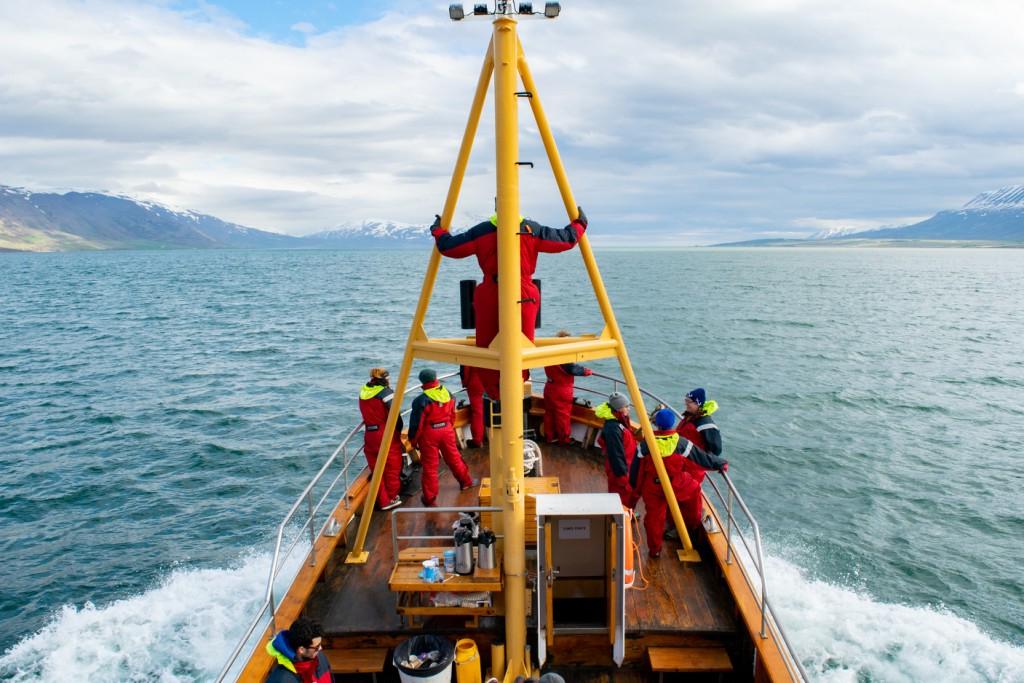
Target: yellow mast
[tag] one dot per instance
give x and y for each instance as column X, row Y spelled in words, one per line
column 510, row 343
column 508, row 352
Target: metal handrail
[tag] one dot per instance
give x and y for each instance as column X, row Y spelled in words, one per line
column 768, row 619
column 396, row 537
column 278, row 559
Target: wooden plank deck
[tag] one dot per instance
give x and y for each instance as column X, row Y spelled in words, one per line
column 680, row 598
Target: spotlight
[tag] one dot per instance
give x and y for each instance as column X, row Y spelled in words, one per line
column 526, row 8
column 479, row 9
column 456, row 12
column 552, row 9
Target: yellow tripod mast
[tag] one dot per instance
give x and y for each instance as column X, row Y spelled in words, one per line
column 511, row 352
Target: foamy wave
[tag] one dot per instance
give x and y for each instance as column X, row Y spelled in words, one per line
column 843, row 636
column 180, row 631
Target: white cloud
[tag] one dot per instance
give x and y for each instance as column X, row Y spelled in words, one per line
column 303, row 27
column 695, row 119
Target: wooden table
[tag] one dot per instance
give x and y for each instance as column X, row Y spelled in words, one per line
column 405, row 581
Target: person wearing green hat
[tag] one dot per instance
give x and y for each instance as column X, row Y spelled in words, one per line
column 432, row 431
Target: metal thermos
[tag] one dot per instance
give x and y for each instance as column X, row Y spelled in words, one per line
column 463, row 551
column 485, row 549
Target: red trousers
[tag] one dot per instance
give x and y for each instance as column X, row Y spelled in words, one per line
column 475, row 394
column 656, row 509
column 620, row 485
column 391, row 483
column 440, row 442
column 558, row 412
column 485, row 309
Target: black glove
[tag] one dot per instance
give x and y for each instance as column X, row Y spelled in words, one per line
column 436, row 225
column 582, row 220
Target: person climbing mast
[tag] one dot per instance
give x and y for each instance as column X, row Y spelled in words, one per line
column 482, row 241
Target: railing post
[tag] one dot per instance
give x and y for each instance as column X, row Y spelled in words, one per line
column 728, row 527
column 344, row 474
column 273, row 610
column 312, row 529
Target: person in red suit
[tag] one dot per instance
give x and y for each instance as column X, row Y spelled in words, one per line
column 698, row 427
column 432, row 431
column 674, row 452
column 618, row 443
column 298, row 654
column 482, row 241
column 374, row 403
column 558, row 396
column 475, row 394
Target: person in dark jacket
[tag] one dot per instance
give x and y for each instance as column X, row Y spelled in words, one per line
column 374, row 404
column 618, row 443
column 674, row 452
column 482, row 241
column 432, row 431
column 558, row 396
column 697, row 427
column 299, row 654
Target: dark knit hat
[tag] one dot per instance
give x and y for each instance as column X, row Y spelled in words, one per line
column 664, row 419
column 697, row 396
column 427, row 376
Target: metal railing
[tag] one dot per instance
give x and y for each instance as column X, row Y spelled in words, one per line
column 768, row 618
column 396, row 515
column 306, row 528
column 349, row 456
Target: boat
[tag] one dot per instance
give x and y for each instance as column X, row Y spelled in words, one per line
column 558, row 597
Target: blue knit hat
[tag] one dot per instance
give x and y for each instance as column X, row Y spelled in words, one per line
column 664, row 419
column 697, row 396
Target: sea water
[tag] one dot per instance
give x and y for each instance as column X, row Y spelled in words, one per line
column 159, row 412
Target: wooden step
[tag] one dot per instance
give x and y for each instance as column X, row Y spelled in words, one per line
column 360, row 661
column 689, row 659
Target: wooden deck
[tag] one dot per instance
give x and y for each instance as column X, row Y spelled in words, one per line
column 681, row 598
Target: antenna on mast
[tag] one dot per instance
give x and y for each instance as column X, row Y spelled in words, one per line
column 504, row 7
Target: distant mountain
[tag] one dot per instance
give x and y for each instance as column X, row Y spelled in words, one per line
column 370, row 234
column 995, row 216
column 34, row 221
column 991, row 216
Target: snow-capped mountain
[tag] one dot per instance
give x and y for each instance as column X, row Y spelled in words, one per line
column 372, row 233
column 833, row 233
column 39, row 221
column 996, row 215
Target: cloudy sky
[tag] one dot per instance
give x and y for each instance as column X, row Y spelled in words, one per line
column 679, row 122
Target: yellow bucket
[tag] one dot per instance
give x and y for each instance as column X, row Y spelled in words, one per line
column 467, row 661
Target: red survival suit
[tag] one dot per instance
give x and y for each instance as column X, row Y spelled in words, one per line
column 482, row 241
column 619, row 445
column 704, row 434
column 432, row 430
column 475, row 393
column 374, row 404
column 558, row 395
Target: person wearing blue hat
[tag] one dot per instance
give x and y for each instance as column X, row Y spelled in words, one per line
column 432, row 431
column 674, row 452
column 697, row 427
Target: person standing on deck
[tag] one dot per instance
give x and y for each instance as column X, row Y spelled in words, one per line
column 299, row 655
column 558, row 396
column 618, row 443
column 674, row 452
column 482, row 241
column 374, row 403
column 475, row 394
column 698, row 427
column 432, row 431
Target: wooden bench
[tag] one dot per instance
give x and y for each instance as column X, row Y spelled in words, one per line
column 689, row 660
column 363, row 661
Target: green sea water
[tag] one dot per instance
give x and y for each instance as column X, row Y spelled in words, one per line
column 159, row 411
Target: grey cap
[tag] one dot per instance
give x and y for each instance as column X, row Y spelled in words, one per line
column 427, row 376
column 617, row 401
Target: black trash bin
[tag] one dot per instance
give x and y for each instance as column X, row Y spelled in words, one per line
column 439, row 671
